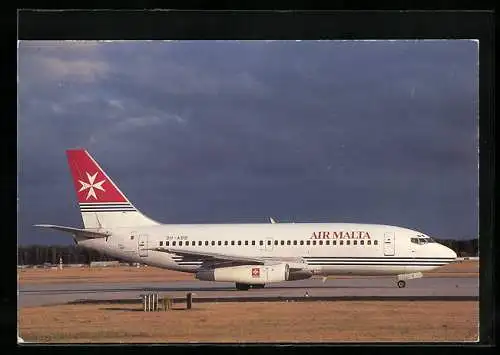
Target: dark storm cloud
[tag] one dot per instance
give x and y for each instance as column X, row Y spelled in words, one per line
column 382, row 132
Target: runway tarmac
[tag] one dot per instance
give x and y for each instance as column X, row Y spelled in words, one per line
column 357, row 288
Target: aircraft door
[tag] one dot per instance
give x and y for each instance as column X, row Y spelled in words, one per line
column 142, row 244
column 389, row 243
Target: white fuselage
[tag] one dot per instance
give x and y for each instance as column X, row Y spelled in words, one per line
column 326, row 248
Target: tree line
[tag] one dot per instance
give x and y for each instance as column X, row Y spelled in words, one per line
column 73, row 254
column 51, row 254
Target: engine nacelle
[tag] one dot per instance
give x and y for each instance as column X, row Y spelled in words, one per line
column 247, row 274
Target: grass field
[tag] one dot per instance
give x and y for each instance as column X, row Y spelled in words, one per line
column 152, row 274
column 254, row 322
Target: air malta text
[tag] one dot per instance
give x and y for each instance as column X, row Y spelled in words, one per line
column 341, row 235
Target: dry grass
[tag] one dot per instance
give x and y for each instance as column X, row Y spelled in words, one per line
column 254, row 322
column 152, row 274
column 459, row 269
column 101, row 274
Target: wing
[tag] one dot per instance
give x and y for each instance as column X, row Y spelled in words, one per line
column 215, row 260
column 76, row 231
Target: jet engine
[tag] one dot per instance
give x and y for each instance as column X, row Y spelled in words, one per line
column 247, row 274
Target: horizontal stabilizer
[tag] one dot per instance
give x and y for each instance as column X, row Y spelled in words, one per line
column 76, row 231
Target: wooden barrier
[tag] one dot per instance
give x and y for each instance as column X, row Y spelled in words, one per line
column 151, row 302
column 167, row 303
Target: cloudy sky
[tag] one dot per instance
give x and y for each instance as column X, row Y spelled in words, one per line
column 225, row 132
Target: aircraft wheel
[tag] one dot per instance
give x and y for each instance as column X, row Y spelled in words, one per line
column 401, row 284
column 242, row 287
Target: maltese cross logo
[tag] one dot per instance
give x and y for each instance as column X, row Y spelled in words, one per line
column 255, row 272
column 91, row 186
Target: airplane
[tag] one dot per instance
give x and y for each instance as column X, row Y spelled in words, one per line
column 249, row 255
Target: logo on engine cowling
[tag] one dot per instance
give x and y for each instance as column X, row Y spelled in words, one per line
column 255, row 272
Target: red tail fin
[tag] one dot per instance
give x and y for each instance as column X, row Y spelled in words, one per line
column 91, row 182
column 102, row 204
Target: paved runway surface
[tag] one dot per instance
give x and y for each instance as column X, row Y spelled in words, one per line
column 424, row 288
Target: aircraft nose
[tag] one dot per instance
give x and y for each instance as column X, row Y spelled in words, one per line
column 450, row 253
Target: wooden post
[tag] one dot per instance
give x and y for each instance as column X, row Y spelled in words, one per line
column 143, row 297
column 189, row 300
column 167, row 303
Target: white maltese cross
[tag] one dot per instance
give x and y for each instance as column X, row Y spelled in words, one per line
column 91, row 186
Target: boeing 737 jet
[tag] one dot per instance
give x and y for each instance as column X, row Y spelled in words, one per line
column 250, row 255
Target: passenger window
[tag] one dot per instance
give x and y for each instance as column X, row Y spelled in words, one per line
column 200, row 243
column 275, row 242
column 375, row 242
column 225, row 242
column 320, row 242
column 239, row 242
column 355, row 242
column 232, row 242
column 334, row 242
column 131, row 237
column 294, row 242
column 348, row 242
column 282, row 242
column 362, row 242
column 253, row 242
column 327, row 242
column 173, row 243
column 213, row 242
column 261, row 242
column 369, row 242
column 341, row 242
column 166, row 243
column 180, row 243
column 246, row 242
column 193, row 243
column 161, row 243
column 206, row 242
column 219, row 242
column 301, row 242
column 268, row 242
column 288, row 242
column 308, row 242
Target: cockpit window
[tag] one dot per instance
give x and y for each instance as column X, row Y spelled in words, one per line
column 422, row 239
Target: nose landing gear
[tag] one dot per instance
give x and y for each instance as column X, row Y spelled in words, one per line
column 401, row 280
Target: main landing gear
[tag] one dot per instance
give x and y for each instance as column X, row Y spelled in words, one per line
column 242, row 287
column 401, row 283
column 246, row 287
